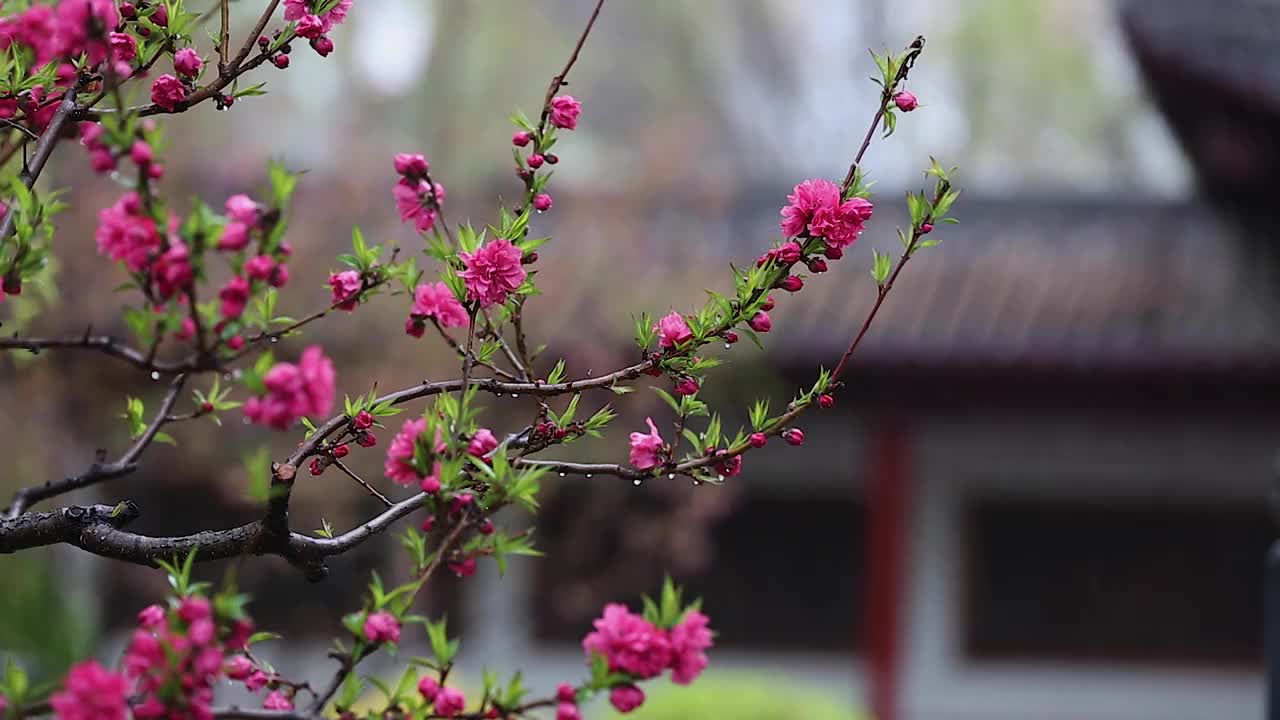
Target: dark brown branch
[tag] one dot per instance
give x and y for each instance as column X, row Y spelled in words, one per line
column 94, row 530
column 98, row 472
column 101, row 343
column 372, row 491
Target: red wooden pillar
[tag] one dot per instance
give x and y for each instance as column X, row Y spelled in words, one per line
column 888, row 504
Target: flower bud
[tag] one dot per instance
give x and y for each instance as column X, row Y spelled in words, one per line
column 140, row 153
column 521, row 138
column 316, row 467
column 235, row 342
column 757, row 439
column 412, row 165
column 281, row 61
column 529, row 258
column 322, row 45
column 128, row 11
column 687, row 386
column 541, row 202
column 768, row 303
column 730, row 337
column 817, row 265
column 341, row 451
column 905, row 101
column 791, row 283
column 430, row 485
column 761, row 323
column 486, row 527
column 363, row 420
column 926, row 228
column 794, row 436
column 552, row 158
column 833, row 253
column 534, row 161
column 826, row 401
column 566, row 694
column 366, row 439
column 789, row 252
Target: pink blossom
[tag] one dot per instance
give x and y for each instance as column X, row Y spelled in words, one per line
column 144, row 653
column 260, row 267
column 449, row 702
column 234, row 295
column 689, row 642
column 125, row 234
column 905, row 101
column 242, row 209
column 83, row 26
column 195, row 608
column 630, row 643
column 382, row 627
column 761, row 322
column 626, row 698
column 140, row 153
column 346, row 287
column 167, row 91
column 256, row 681
column 294, row 391
column 805, row 200
column 310, row 27
column 277, row 700
column 436, row 300
column 482, row 443
column 673, row 330
column 431, row 483
column 414, row 202
column 493, row 272
column 841, row 224
column 535, row 161
column 567, row 711
column 202, row 632
column 297, row 9
column 239, row 668
column 151, row 616
column 646, row 450
column 172, row 270
column 412, row 165
column 101, row 160
column 187, row 62
column 123, row 47
column 235, row 236
column 686, row 386
column 564, row 111
column 399, row 465
column 91, row 692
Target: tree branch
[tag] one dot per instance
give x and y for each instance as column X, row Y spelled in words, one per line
column 98, row 472
column 101, row 343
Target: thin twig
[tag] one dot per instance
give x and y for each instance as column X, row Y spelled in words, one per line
column 363, row 484
column 44, row 148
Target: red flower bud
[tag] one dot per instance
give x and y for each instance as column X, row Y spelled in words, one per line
column 791, row 283
column 366, row 439
column 428, row 523
column 794, row 436
column 535, row 161
column 730, row 337
column 757, row 439
column 206, row 407
column 552, row 158
column 529, row 259
column 235, row 342
column 341, row 451
column 826, row 401
column 768, row 304
column 486, row 527
column 566, row 694
column 761, row 323
column 926, row 228
column 833, row 253
column 817, row 265
column 12, row 285
column 905, row 101
column 281, row 61
column 316, row 467
column 687, row 386
column 362, row 421
column 522, row 138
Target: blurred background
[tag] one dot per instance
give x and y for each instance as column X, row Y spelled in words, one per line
column 1045, row 492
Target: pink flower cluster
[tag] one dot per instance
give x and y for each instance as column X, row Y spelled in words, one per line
column 493, row 272
column 91, row 692
column 399, row 464
column 814, row 206
column 448, row 702
column 673, row 330
column 346, row 287
column 266, row 269
column 127, row 234
column 434, row 301
column 67, row 30
column 174, row 659
column 301, row 10
column 294, row 391
column 637, row 647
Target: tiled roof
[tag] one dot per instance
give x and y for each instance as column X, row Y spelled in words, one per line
column 1080, row 282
